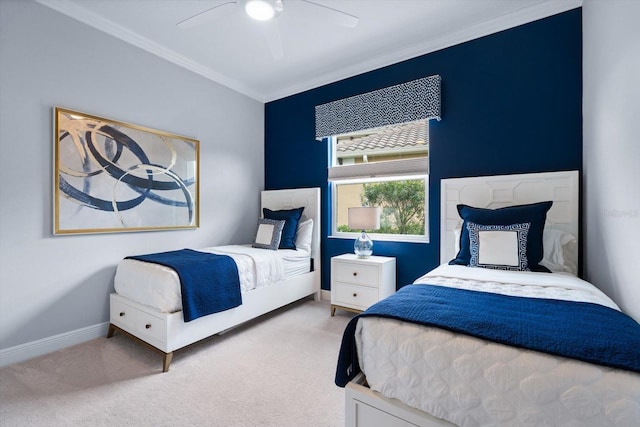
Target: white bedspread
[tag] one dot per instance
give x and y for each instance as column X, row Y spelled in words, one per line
column 562, row 286
column 159, row 287
column 473, row 382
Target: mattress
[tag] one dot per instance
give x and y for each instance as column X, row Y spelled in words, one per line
column 474, row 382
column 158, row 286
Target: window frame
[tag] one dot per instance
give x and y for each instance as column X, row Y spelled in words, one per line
column 401, row 238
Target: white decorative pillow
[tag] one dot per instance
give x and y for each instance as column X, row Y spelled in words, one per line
column 560, row 251
column 268, row 234
column 501, row 247
column 304, row 235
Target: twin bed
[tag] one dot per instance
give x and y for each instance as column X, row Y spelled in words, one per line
column 461, row 367
column 400, row 373
column 147, row 304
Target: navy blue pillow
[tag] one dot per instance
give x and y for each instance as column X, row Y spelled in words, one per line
column 534, row 213
column 291, row 218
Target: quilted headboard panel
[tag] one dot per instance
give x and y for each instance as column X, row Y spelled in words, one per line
column 506, row 190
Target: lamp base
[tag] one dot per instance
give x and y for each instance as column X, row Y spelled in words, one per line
column 363, row 246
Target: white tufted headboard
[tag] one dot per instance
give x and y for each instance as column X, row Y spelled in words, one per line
column 498, row 191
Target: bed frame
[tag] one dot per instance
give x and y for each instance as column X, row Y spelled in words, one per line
column 365, row 407
column 167, row 332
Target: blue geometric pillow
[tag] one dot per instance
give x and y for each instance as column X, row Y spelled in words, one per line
column 500, row 247
column 534, row 213
column 291, row 217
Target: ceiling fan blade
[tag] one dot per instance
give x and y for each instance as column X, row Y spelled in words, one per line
column 332, row 15
column 212, row 14
column 272, row 35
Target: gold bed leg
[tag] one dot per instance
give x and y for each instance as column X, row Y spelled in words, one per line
column 112, row 330
column 167, row 361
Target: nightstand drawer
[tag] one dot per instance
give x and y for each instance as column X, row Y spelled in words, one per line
column 355, row 296
column 358, row 283
column 357, row 273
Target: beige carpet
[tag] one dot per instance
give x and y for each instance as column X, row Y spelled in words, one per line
column 275, row 371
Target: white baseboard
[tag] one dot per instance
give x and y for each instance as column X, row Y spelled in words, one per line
column 22, row 352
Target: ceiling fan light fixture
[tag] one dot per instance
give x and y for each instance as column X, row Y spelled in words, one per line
column 263, row 10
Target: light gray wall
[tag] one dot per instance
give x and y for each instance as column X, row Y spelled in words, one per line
column 611, row 111
column 52, row 285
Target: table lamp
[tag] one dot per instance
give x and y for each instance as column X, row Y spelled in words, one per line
column 364, row 218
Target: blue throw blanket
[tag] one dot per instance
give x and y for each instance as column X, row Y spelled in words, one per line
column 578, row 330
column 209, row 282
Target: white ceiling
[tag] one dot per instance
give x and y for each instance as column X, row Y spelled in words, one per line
column 233, row 50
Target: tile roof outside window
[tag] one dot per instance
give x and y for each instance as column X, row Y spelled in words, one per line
column 393, row 138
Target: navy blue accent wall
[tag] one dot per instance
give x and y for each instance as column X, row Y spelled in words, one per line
column 511, row 103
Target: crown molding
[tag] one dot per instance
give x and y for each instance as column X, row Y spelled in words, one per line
column 525, row 15
column 81, row 14
column 511, row 20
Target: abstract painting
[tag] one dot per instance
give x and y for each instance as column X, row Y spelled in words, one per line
column 112, row 176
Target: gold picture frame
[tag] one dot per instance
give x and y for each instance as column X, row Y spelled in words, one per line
column 112, row 176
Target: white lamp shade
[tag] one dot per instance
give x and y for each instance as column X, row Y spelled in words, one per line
column 364, row 218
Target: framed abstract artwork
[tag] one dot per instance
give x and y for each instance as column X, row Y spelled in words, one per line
column 112, row 176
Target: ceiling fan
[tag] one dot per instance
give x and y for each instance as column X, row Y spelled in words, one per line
column 267, row 11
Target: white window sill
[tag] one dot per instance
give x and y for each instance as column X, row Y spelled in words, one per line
column 383, row 237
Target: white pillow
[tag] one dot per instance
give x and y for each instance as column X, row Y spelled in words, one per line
column 501, row 247
column 304, row 235
column 560, row 251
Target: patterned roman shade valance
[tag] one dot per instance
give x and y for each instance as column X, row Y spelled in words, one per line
column 406, row 102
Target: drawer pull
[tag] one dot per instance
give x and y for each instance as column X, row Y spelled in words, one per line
column 122, row 314
column 148, row 326
column 355, row 295
column 355, row 273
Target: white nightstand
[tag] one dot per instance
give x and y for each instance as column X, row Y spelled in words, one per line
column 357, row 283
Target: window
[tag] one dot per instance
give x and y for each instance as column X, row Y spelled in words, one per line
column 385, row 167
